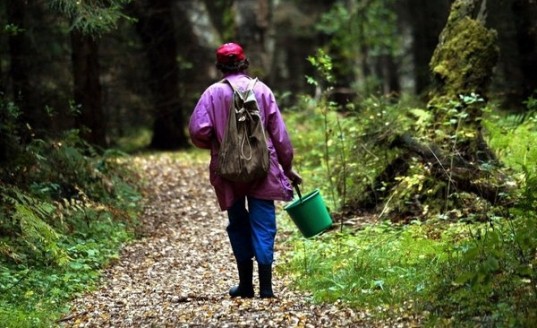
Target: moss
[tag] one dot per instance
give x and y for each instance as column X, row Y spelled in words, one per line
column 463, row 63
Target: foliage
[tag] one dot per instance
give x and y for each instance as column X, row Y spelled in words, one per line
column 337, row 150
column 503, row 129
column 65, row 209
column 466, row 55
column 91, row 17
column 455, row 272
column 360, row 31
column 492, row 274
column 134, row 140
column 362, row 23
column 462, row 273
column 367, row 268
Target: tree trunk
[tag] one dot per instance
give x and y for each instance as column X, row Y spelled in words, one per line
column 508, row 80
column 426, row 18
column 294, row 42
column 466, row 54
column 217, row 12
column 253, row 19
column 388, row 71
column 463, row 64
column 454, row 158
column 196, row 53
column 155, row 26
column 23, row 93
column 87, row 88
column 525, row 15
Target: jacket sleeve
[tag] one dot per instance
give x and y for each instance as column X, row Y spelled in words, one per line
column 278, row 132
column 201, row 126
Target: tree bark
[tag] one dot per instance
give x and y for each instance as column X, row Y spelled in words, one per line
column 87, row 88
column 525, row 14
column 253, row 19
column 156, row 29
column 22, row 91
column 426, row 19
column 463, row 64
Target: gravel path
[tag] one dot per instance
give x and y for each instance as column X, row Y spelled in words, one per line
column 179, row 272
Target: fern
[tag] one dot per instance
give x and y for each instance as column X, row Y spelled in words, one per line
column 29, row 215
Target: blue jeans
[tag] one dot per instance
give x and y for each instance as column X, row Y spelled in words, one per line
column 252, row 231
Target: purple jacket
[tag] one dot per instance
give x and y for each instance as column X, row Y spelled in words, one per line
column 208, row 123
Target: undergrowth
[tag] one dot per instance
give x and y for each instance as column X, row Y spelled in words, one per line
column 438, row 270
column 65, row 210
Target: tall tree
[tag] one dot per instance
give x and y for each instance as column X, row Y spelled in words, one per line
column 515, row 22
column 89, row 21
column 295, row 38
column 20, row 69
column 87, row 87
column 525, row 12
column 364, row 41
column 253, row 19
column 455, row 153
column 426, row 19
column 221, row 16
column 156, row 28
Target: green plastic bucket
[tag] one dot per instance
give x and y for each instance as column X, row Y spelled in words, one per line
column 309, row 213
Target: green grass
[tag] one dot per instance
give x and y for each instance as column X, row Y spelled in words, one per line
column 36, row 295
column 513, row 140
column 62, row 220
column 452, row 273
column 134, row 140
column 380, row 265
column 466, row 273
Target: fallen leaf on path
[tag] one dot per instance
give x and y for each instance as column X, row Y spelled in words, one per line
column 179, row 273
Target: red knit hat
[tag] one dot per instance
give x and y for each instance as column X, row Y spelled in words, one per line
column 229, row 53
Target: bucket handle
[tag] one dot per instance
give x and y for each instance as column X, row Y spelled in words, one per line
column 298, row 191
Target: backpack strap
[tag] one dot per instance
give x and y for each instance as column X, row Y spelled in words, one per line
column 249, row 88
column 230, row 84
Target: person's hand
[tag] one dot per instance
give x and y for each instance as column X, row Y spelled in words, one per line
column 294, row 177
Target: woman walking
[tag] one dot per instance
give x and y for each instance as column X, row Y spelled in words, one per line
column 250, row 206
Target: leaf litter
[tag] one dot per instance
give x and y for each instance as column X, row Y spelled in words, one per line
column 179, row 272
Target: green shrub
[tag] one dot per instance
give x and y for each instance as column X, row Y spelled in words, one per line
column 65, row 210
column 337, row 146
column 382, row 265
column 463, row 273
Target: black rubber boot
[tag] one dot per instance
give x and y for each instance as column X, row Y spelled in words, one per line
column 265, row 281
column 245, row 287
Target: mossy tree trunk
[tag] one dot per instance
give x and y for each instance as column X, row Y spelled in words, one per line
column 462, row 67
column 453, row 161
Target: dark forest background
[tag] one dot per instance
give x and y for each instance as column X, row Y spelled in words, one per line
column 111, row 68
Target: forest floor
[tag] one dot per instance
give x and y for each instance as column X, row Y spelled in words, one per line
column 179, row 272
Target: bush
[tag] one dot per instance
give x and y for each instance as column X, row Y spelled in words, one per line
column 65, row 210
column 462, row 273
